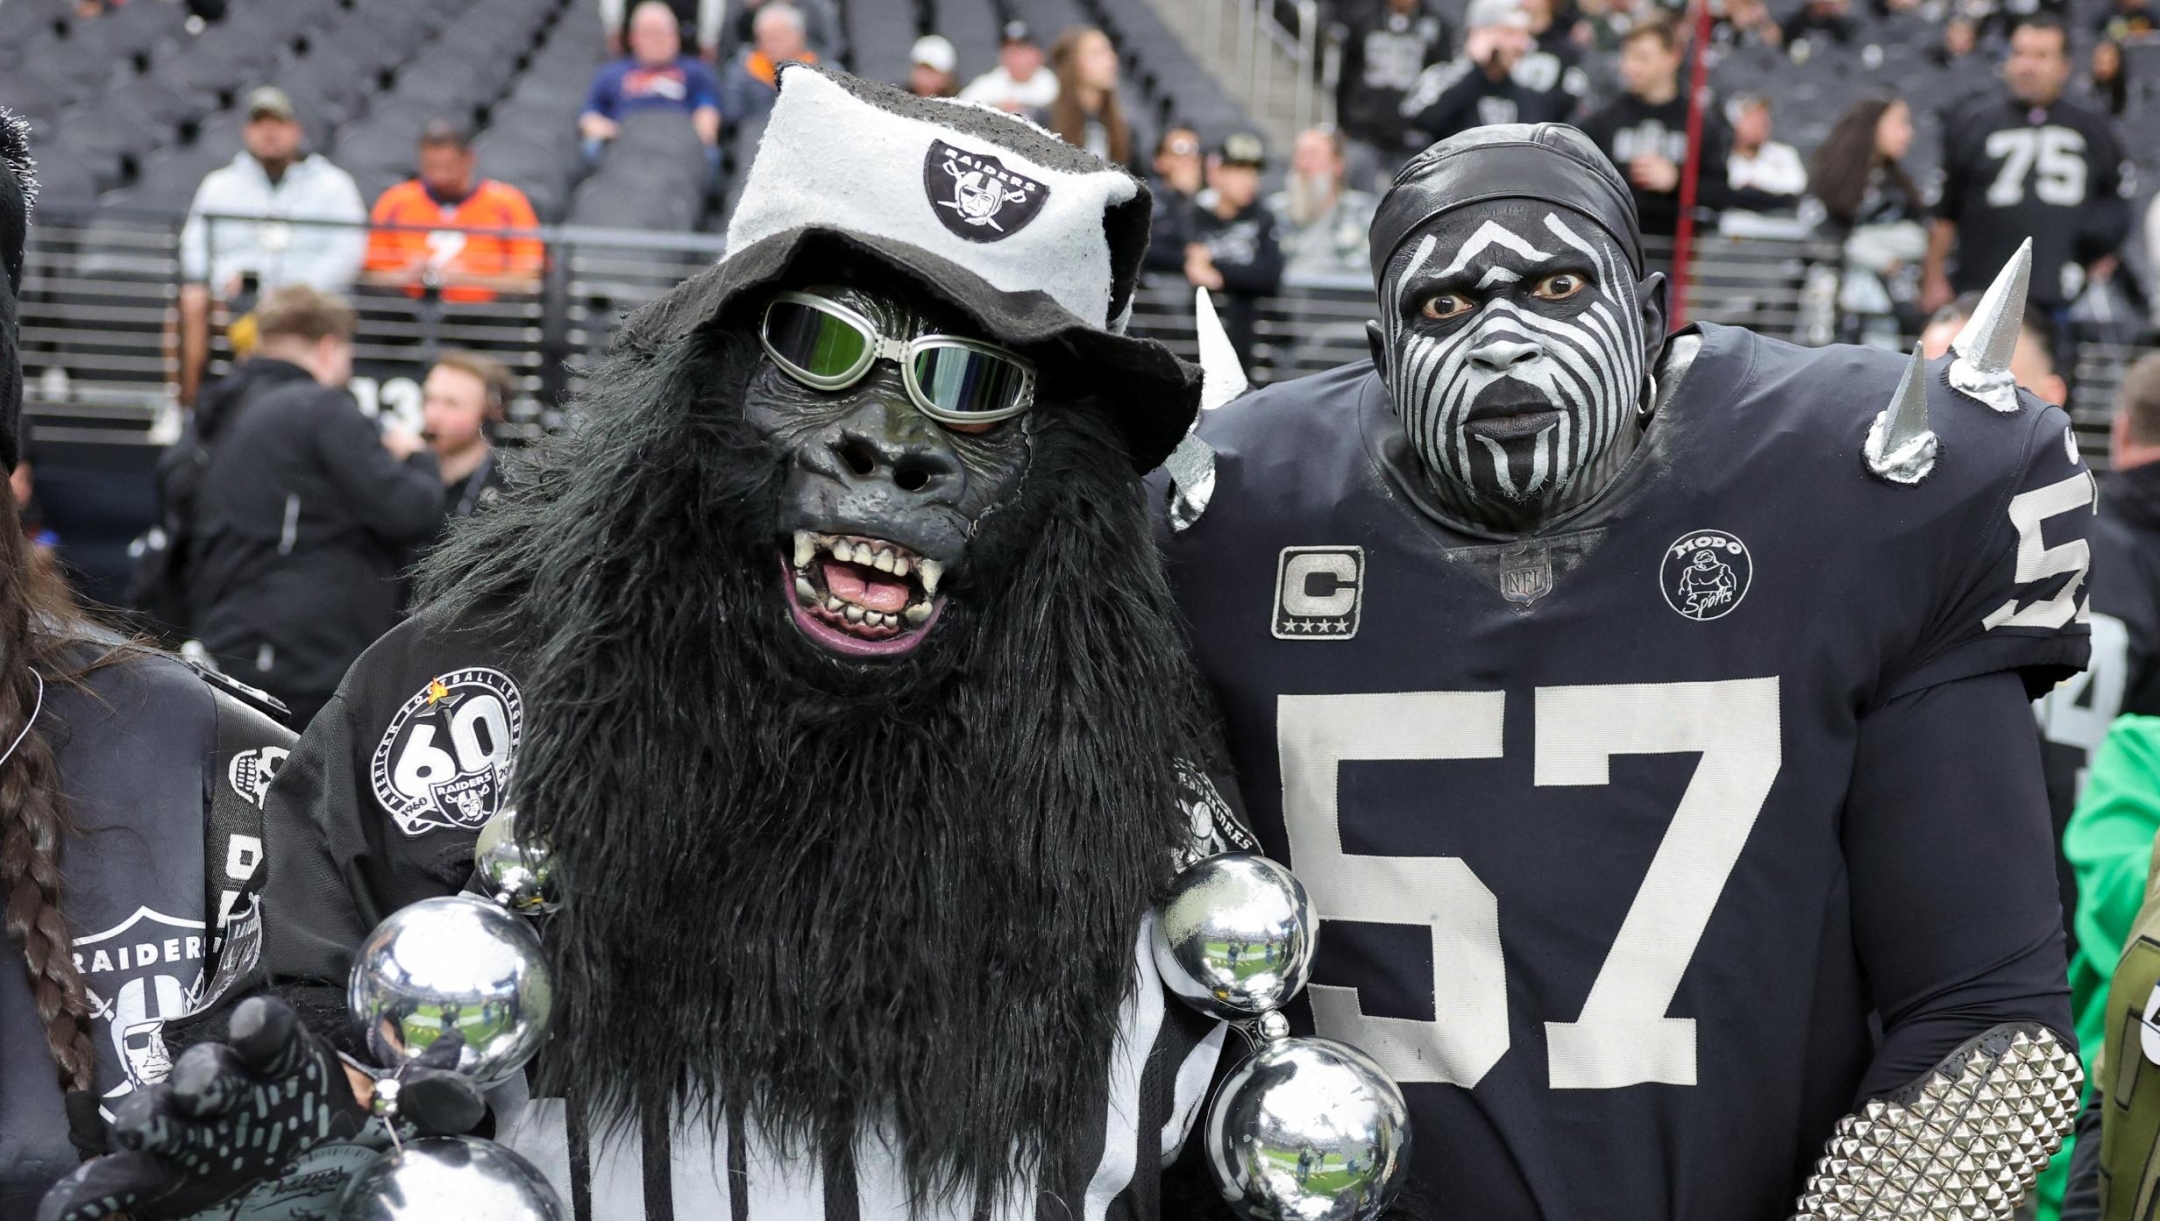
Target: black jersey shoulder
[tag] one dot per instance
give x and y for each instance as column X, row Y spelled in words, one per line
column 1298, row 434
column 1799, row 415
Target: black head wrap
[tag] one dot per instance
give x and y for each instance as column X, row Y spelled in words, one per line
column 15, row 192
column 1546, row 161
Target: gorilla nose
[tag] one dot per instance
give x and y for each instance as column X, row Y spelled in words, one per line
column 912, row 464
column 1500, row 355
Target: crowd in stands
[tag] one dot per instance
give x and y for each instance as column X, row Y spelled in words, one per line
column 2022, row 103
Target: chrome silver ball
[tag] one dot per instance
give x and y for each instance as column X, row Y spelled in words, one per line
column 1308, row 1130
column 450, row 1176
column 453, row 963
column 517, row 874
column 1234, row 937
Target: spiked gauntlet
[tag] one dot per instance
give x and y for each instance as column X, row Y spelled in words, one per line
column 1963, row 1143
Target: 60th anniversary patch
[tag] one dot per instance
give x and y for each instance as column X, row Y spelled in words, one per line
column 445, row 760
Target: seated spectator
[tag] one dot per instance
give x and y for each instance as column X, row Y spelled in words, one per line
column 2127, row 19
column 1385, row 46
column 1960, row 35
column 1747, row 23
column 2107, row 86
column 1022, row 81
column 931, row 68
column 1829, row 20
column 1605, row 22
column 1496, row 79
column 1757, row 161
column 1180, row 175
column 1088, row 111
column 1321, row 221
column 1234, row 250
column 462, row 403
column 821, row 25
column 1644, row 131
column 748, row 91
column 306, row 512
column 441, row 229
column 1553, row 57
column 698, row 24
column 656, row 75
column 273, row 217
column 1870, row 202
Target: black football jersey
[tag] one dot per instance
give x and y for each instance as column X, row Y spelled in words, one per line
column 1569, row 805
column 2124, row 676
column 2055, row 174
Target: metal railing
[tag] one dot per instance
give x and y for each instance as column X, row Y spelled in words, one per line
column 1254, row 43
column 100, row 302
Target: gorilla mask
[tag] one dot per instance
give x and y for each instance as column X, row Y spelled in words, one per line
column 881, row 499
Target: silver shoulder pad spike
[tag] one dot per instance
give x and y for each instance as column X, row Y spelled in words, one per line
column 1984, row 345
column 1900, row 447
column 1965, row 1141
column 1222, row 378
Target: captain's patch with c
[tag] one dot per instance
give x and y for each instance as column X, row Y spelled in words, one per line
column 1319, row 593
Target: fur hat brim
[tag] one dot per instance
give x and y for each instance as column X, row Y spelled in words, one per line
column 1151, row 394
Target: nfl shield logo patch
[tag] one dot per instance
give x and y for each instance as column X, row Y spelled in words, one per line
column 1526, row 575
column 1319, row 593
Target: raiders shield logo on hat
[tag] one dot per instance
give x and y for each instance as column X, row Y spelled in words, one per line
column 976, row 196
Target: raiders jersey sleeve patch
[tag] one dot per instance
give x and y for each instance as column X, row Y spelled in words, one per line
column 445, row 759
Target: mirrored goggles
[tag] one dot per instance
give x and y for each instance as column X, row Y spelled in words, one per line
column 827, row 346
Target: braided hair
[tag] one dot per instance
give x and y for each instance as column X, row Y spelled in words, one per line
column 33, row 818
column 38, row 623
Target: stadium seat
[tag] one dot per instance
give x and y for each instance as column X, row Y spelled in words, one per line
column 68, row 183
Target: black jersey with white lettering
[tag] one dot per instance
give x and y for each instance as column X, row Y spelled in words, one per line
column 2124, row 676
column 2055, row 174
column 1573, row 806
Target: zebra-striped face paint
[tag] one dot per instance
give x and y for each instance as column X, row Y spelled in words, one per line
column 1514, row 354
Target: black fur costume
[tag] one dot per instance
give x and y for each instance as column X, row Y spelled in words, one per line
column 832, row 891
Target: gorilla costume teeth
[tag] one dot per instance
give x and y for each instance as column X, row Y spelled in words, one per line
column 840, row 897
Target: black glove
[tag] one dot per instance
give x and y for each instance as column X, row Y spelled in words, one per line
column 236, row 1116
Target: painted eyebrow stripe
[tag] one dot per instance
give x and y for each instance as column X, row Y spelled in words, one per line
column 1489, row 234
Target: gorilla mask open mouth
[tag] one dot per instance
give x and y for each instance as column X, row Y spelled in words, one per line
column 859, row 596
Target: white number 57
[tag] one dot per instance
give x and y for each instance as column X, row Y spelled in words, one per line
column 1623, row 1036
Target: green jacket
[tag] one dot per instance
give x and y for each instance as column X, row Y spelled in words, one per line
column 2109, row 843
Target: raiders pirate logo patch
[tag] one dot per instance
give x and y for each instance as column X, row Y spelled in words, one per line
column 141, row 971
column 1319, row 593
column 251, row 772
column 1705, row 574
column 445, row 760
column 976, row 197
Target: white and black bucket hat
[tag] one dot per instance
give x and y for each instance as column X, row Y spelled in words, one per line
column 1038, row 242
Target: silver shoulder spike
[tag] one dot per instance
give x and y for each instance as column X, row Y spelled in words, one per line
column 1900, row 447
column 1984, row 346
column 1222, row 377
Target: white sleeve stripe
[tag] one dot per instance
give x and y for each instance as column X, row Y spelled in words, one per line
column 1190, row 1090
column 1139, row 1021
column 541, row 1133
column 697, row 1169
column 618, row 1174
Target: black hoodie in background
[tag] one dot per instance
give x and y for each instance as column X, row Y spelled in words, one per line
column 302, row 524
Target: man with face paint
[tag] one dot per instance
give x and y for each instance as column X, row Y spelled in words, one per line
column 1647, row 718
